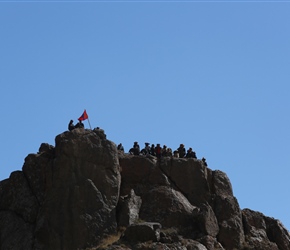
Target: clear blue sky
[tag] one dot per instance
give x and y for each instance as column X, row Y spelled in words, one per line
column 213, row 75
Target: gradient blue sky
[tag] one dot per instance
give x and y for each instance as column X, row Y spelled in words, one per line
column 213, row 75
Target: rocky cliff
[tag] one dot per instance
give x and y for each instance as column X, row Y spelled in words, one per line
column 84, row 194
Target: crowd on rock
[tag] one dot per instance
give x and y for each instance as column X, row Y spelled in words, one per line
column 159, row 151
column 153, row 150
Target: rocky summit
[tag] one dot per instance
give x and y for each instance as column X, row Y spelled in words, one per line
column 83, row 193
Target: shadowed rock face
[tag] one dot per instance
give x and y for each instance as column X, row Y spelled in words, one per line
column 75, row 196
column 66, row 196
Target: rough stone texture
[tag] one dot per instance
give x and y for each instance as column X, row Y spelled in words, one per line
column 142, row 232
column 255, row 229
column 140, row 173
column 230, row 222
column 37, row 169
column 193, row 245
column 80, row 205
column 210, row 243
column 66, row 197
column 168, row 207
column 221, row 184
column 190, row 176
column 227, row 211
column 16, row 196
column 128, row 209
column 181, row 244
column 277, row 233
column 207, row 221
column 15, row 233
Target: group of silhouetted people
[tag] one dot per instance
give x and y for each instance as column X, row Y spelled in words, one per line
column 159, row 151
column 71, row 125
column 153, row 150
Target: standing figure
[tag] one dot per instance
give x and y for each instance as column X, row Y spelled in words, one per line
column 152, row 150
column 164, row 150
column 158, row 150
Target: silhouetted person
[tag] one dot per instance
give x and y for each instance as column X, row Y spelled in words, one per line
column 71, row 125
column 120, row 147
column 146, row 149
column 169, row 152
column 175, row 154
column 181, row 151
column 190, row 154
column 158, row 151
column 164, row 150
column 136, row 149
column 152, row 150
column 204, row 161
column 79, row 125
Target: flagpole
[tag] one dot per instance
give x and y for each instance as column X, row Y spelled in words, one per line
column 85, row 116
column 89, row 123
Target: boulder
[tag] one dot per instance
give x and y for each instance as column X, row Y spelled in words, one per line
column 221, row 184
column 277, row 233
column 206, row 220
column 255, row 229
column 193, row 245
column 227, row 211
column 128, row 209
column 168, row 207
column 210, row 243
column 140, row 173
column 189, row 176
column 229, row 217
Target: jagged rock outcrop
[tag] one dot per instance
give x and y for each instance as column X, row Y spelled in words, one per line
column 128, row 209
column 84, row 194
column 66, row 196
column 263, row 232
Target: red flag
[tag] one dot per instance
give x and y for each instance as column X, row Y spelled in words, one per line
column 84, row 116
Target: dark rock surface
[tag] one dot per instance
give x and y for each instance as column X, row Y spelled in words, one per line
column 142, row 232
column 84, row 194
column 128, row 209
